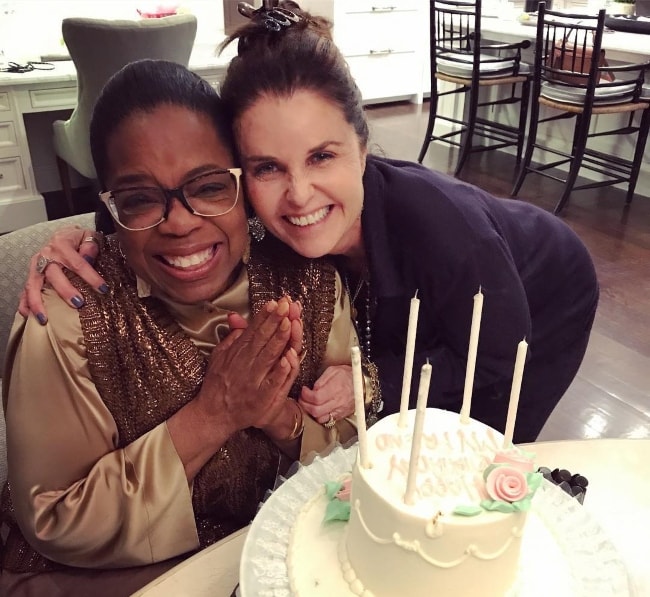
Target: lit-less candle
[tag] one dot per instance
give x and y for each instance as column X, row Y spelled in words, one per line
column 408, row 360
column 359, row 406
column 471, row 357
column 517, row 376
column 418, row 426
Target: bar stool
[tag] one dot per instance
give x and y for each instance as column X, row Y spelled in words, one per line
column 570, row 80
column 460, row 56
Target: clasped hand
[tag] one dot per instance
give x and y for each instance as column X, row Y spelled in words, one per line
column 251, row 371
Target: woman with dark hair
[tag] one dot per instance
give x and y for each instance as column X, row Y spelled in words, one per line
column 140, row 427
column 395, row 228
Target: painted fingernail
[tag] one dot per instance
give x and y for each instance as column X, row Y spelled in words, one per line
column 42, row 319
column 90, row 259
column 271, row 307
column 103, row 288
column 285, row 325
column 283, row 308
column 77, row 301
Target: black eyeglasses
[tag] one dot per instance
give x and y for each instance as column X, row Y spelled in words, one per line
column 211, row 194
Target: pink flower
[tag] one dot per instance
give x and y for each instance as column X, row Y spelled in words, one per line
column 516, row 459
column 506, row 483
column 343, row 494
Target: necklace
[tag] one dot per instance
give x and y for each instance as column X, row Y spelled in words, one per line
column 365, row 338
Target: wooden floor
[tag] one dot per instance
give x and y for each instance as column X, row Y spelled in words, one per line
column 610, row 397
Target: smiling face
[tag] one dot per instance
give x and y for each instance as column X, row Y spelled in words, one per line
column 303, row 165
column 189, row 258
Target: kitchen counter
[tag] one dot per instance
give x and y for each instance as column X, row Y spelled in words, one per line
column 619, row 45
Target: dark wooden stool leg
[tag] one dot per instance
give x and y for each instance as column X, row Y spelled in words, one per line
column 577, row 154
column 433, row 110
column 467, row 138
column 639, row 150
column 523, row 118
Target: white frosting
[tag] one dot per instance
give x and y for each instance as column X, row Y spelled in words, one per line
column 424, row 548
column 452, row 459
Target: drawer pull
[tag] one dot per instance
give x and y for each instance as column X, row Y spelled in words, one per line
column 386, row 51
column 383, row 8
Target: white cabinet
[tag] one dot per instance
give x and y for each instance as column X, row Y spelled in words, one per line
column 11, row 175
column 382, row 42
column 9, row 150
column 15, row 175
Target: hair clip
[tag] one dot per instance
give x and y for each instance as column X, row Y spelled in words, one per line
column 246, row 10
column 269, row 15
column 286, row 17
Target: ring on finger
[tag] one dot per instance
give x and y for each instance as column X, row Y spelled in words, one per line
column 330, row 423
column 42, row 263
column 90, row 239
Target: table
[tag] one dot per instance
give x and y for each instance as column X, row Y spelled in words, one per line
column 618, row 497
column 21, row 204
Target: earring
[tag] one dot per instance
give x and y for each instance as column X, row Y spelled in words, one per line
column 256, row 228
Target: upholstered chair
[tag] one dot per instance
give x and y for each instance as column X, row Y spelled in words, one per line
column 99, row 48
column 16, row 249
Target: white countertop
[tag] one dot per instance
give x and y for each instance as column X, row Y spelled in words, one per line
column 204, row 58
column 632, row 44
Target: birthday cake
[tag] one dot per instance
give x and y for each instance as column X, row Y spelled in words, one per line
column 452, row 526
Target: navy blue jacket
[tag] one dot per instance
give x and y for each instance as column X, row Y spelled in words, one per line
column 429, row 232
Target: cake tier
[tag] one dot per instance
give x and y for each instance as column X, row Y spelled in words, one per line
column 426, row 548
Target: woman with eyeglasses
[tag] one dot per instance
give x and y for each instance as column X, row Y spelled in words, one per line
column 140, row 428
column 395, row 228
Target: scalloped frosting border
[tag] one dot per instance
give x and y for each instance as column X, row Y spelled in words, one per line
column 414, row 546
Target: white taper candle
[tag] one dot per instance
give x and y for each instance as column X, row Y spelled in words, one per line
column 418, row 426
column 517, row 376
column 471, row 357
column 408, row 360
column 359, row 406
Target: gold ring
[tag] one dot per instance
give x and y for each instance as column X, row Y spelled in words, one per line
column 42, row 263
column 90, row 239
column 331, row 422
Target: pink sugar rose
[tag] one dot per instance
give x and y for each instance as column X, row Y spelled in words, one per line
column 506, row 483
column 343, row 494
column 515, row 458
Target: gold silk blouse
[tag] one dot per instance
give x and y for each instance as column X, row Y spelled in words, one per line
column 62, row 442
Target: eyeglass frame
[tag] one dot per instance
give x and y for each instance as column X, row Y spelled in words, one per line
column 106, row 197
